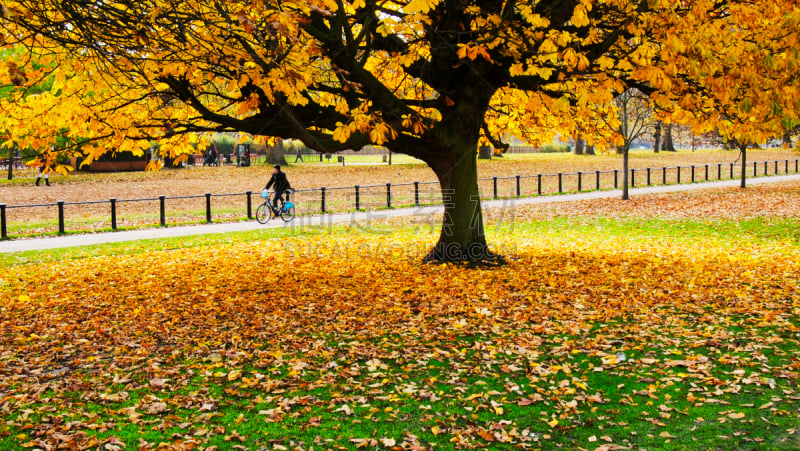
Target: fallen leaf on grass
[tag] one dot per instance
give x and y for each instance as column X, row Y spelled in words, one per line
column 156, row 408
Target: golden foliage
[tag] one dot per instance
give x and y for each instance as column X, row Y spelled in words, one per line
column 338, row 74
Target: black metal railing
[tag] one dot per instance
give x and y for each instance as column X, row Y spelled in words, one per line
column 389, row 195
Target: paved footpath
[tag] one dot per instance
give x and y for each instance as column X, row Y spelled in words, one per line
column 89, row 239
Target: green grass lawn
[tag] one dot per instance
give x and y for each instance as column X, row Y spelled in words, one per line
column 605, row 382
column 784, row 233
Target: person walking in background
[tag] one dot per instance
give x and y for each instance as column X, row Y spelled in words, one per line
column 44, row 173
column 211, row 156
column 18, row 164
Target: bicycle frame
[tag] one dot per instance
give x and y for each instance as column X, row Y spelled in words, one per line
column 266, row 210
column 268, row 195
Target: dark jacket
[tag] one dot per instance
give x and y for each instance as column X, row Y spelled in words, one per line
column 280, row 181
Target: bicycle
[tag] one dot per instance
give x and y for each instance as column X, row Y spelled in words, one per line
column 265, row 211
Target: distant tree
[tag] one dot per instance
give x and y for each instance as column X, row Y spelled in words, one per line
column 788, row 133
column 277, row 153
column 580, row 145
column 635, row 120
column 20, row 83
column 669, row 144
column 657, row 136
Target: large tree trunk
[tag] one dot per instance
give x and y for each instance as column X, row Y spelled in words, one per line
column 669, row 146
column 452, row 154
column 462, row 238
column 787, row 139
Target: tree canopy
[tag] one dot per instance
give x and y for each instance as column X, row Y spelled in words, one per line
column 428, row 78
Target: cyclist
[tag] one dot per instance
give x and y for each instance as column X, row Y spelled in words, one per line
column 281, row 186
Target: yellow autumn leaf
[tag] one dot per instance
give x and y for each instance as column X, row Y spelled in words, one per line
column 420, row 6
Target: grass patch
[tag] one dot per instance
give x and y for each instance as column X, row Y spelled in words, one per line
column 726, row 233
column 642, row 333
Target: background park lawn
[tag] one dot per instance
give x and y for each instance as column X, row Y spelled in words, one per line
column 364, row 171
column 670, row 322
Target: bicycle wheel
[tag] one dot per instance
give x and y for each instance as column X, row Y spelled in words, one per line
column 263, row 213
column 287, row 214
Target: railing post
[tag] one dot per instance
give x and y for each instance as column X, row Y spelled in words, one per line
column 358, row 198
column 616, row 178
column 416, row 194
column 719, row 171
column 706, row 173
column 208, row 207
column 162, row 211
column 664, row 176
column 539, row 184
column 597, row 179
column 580, row 181
column 113, row 214
column 249, row 195
column 755, row 169
column 388, row 195
column 560, row 184
column 494, row 186
column 61, row 228
column 766, row 168
column 786, row 168
column 3, row 226
column 776, row 167
column 648, row 178
column 731, row 177
column 519, row 187
column 797, row 165
column 679, row 174
column 322, row 200
column 692, row 174
column 633, row 178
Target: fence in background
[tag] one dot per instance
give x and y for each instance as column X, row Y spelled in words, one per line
column 390, row 195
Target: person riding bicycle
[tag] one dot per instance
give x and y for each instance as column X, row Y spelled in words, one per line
column 281, row 185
